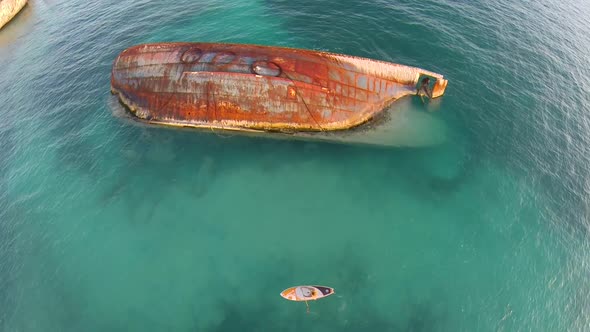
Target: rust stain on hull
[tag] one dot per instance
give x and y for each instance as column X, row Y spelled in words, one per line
column 259, row 88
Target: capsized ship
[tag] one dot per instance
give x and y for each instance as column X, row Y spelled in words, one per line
column 9, row 9
column 263, row 90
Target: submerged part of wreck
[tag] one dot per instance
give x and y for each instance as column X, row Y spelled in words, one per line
column 403, row 124
column 9, row 9
column 260, row 88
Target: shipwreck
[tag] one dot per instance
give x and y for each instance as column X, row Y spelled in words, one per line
column 265, row 90
column 9, row 9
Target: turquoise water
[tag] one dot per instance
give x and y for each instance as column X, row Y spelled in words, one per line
column 478, row 222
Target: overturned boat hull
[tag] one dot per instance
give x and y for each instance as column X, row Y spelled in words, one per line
column 9, row 9
column 260, row 89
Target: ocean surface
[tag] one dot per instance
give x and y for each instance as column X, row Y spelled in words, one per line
column 478, row 221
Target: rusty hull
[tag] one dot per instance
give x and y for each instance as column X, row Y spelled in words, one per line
column 258, row 88
column 9, row 9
